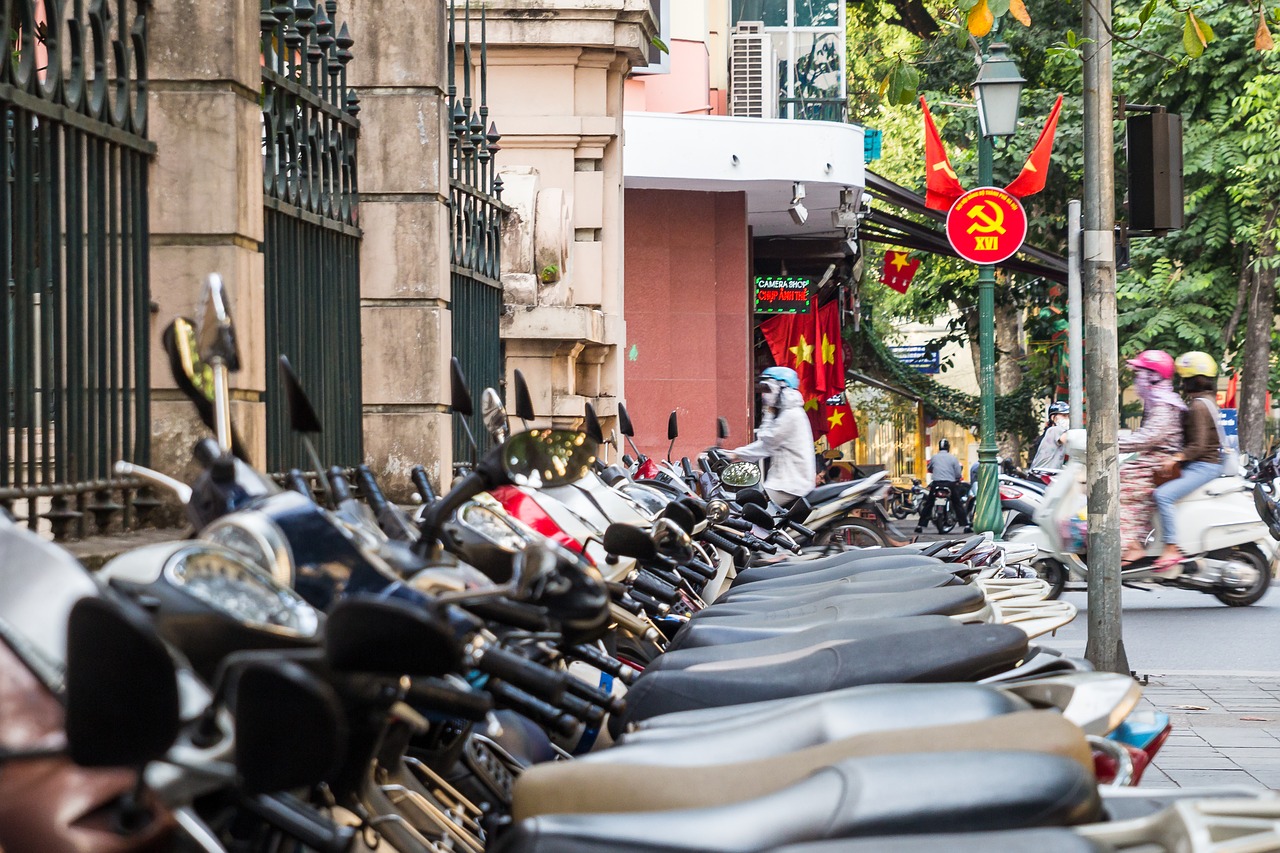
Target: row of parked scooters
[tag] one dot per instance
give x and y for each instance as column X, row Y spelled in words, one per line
column 552, row 655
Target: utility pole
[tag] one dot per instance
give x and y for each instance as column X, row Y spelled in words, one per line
column 1075, row 320
column 1105, row 648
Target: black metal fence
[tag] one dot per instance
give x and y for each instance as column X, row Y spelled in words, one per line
column 477, row 211
column 312, row 237
column 74, row 317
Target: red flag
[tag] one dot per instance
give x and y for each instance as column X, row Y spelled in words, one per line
column 898, row 271
column 793, row 344
column 839, row 424
column 942, row 187
column 1034, row 172
column 828, row 357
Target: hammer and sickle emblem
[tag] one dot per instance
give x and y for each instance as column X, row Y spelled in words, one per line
column 993, row 224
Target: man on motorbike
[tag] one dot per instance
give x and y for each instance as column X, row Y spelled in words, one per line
column 1050, row 451
column 1200, row 459
column 784, row 437
column 946, row 471
column 1158, row 440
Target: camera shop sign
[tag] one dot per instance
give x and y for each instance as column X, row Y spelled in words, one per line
column 986, row 225
column 782, row 295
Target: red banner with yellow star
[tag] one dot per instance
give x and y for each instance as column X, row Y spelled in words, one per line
column 838, row 423
column 942, row 185
column 898, row 270
column 811, row 345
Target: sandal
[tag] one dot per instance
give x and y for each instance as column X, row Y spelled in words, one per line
column 1165, row 563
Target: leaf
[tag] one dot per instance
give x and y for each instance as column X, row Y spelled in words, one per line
column 1203, row 30
column 1018, row 9
column 980, row 19
column 1191, row 38
column 1262, row 38
column 910, row 83
column 998, row 7
column 1147, row 11
column 965, row 5
column 660, row 44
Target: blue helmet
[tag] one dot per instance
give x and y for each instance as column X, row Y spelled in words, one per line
column 785, row 375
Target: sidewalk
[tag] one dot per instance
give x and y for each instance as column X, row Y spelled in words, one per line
column 1226, row 729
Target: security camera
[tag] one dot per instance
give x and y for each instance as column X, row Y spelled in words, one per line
column 799, row 213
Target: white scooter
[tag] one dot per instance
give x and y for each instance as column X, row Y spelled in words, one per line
column 1233, row 558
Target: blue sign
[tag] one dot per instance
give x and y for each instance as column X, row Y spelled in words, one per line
column 871, row 141
column 918, row 356
column 1229, row 421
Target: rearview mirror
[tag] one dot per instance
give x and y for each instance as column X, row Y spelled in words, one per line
column 799, row 510
column 545, row 458
column 627, row 541
column 215, row 330
column 752, row 496
column 290, row 727
column 530, row 569
column 494, row 414
column 758, row 516
column 592, row 425
column 302, row 415
column 121, row 686
column 390, row 637
column 524, row 403
column 191, row 373
column 624, row 421
column 673, row 426
column 722, row 428
column 459, row 392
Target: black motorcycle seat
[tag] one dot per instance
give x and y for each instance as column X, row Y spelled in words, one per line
column 941, row 654
column 857, row 629
column 859, row 797
column 577, row 787
column 1012, row 841
column 768, row 613
column 786, row 726
column 828, row 492
column 892, row 580
column 848, row 562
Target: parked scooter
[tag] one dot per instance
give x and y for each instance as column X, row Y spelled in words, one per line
column 1234, row 554
column 905, row 502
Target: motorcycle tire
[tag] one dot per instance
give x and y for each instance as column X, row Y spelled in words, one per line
column 1244, row 597
column 851, row 533
column 944, row 520
column 1054, row 574
column 900, row 511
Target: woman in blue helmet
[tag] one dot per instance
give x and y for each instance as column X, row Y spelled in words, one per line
column 783, row 437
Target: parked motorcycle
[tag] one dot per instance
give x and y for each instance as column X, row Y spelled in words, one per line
column 905, row 502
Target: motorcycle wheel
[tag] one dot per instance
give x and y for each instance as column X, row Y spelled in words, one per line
column 944, row 520
column 900, row 511
column 851, row 533
column 1053, row 573
column 1249, row 595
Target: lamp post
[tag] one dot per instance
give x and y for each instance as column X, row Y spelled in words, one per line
column 997, row 92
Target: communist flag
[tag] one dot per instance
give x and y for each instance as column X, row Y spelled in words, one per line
column 829, row 376
column 1036, row 170
column 839, row 425
column 942, row 187
column 898, row 270
column 793, row 344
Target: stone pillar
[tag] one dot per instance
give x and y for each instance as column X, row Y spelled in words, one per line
column 556, row 74
column 400, row 71
column 206, row 203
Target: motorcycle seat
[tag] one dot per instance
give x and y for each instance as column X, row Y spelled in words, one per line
column 829, row 492
column 801, row 613
column 1011, row 841
column 940, row 654
column 924, row 577
column 857, row 629
column 847, row 562
column 610, row 782
column 858, row 797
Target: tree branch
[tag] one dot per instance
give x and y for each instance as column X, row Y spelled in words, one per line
column 1242, row 296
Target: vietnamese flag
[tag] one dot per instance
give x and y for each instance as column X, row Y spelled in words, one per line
column 942, row 187
column 898, row 270
column 793, row 344
column 1036, row 170
column 839, row 425
column 829, row 378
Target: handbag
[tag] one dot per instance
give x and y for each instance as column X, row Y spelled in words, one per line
column 1161, row 476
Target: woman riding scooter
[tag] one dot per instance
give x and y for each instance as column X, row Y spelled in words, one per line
column 1158, row 440
column 1200, row 460
column 784, row 437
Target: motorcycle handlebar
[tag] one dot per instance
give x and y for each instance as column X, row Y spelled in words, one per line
column 540, row 712
column 603, row 662
column 655, row 588
column 539, row 681
column 440, row 697
column 801, row 529
column 420, row 482
column 526, row 617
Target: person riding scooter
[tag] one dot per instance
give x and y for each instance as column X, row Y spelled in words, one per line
column 1200, row 460
column 1050, row 450
column 1158, row 440
column 784, row 437
column 946, row 471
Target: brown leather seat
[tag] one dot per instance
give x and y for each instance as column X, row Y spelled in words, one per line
column 583, row 786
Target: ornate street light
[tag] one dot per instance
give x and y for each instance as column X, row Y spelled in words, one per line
column 997, row 91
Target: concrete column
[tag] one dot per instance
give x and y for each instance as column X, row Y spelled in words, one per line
column 206, row 203
column 400, row 71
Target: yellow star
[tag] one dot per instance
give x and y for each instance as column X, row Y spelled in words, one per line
column 828, row 350
column 836, row 418
column 811, row 405
column 803, row 352
column 899, row 260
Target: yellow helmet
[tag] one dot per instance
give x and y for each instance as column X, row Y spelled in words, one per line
column 1196, row 364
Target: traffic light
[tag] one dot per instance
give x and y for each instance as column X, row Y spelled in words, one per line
column 1153, row 142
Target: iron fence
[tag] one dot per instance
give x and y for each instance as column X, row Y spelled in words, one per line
column 312, row 233
column 74, row 318
column 477, row 211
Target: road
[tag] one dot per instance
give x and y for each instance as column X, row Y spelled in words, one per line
column 1179, row 631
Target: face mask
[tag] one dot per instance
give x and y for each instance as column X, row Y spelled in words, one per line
column 771, row 396
column 1061, row 420
column 1143, row 382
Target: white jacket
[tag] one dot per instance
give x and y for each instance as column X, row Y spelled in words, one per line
column 786, row 440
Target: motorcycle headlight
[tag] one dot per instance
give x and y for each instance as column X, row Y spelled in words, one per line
column 225, row 581
column 492, row 526
column 255, row 537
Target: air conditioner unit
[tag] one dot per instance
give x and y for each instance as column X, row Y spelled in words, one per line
column 753, row 72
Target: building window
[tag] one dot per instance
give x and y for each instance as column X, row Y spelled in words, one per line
column 808, row 45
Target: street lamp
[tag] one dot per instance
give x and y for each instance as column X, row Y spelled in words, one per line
column 997, row 91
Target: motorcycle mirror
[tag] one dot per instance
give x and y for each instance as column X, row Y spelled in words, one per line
column 524, row 403
column 758, row 516
column 624, row 422
column 290, row 727
column 752, row 496
column 545, row 458
column 673, row 426
column 387, row 636
column 627, row 541
column 302, row 415
column 592, row 425
column 530, row 569
column 191, row 373
column 121, row 687
column 215, row 331
column 717, row 511
column 722, row 428
column 695, row 506
column 459, row 391
column 799, row 510
column 494, row 414
column 680, row 515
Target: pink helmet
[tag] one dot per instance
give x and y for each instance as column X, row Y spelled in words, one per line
column 1154, row 360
